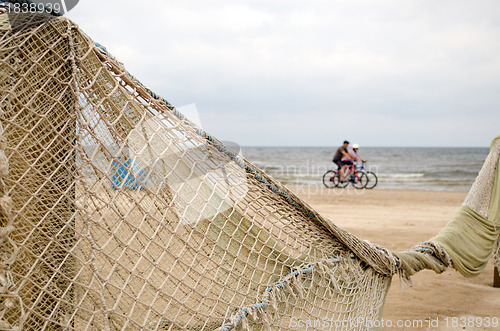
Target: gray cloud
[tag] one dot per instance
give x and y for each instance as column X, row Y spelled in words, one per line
column 311, row 73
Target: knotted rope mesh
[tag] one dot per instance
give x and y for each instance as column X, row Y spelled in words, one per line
column 118, row 213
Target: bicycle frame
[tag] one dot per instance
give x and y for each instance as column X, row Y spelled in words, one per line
column 353, row 169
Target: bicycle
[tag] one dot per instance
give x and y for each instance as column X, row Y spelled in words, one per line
column 359, row 178
column 371, row 176
column 352, row 175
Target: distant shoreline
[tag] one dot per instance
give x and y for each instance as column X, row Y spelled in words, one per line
column 359, row 191
column 429, row 168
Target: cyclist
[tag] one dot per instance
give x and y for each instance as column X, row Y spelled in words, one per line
column 351, row 157
column 339, row 155
column 353, row 152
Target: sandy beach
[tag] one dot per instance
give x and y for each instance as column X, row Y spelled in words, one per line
column 397, row 220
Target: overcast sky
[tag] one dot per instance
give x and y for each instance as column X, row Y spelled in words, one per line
column 313, row 73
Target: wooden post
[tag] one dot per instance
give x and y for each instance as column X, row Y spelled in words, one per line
column 496, row 277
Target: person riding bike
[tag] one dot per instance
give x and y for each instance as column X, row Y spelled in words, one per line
column 340, row 154
column 353, row 152
column 353, row 156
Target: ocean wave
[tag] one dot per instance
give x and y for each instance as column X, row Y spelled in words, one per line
column 270, row 168
column 411, row 175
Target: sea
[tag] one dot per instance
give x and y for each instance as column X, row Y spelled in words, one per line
column 404, row 168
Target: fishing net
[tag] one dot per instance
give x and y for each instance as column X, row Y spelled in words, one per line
column 118, row 213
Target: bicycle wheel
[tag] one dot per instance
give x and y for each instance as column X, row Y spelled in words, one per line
column 359, row 180
column 372, row 180
column 328, row 179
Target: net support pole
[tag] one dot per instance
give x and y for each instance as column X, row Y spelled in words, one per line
column 496, row 277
